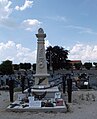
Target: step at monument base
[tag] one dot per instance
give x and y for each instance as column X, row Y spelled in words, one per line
column 20, row 108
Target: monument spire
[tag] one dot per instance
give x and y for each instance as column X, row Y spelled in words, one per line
column 41, row 76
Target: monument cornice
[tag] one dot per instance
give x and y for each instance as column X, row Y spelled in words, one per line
column 40, row 35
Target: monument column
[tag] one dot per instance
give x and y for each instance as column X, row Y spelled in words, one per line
column 41, row 76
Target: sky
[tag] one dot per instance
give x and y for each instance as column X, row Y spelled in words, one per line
column 71, row 24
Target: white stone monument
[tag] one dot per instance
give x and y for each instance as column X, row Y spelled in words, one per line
column 41, row 92
column 41, row 76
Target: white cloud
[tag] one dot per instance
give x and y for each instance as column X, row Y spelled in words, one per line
column 57, row 18
column 82, row 29
column 47, row 44
column 16, row 52
column 7, row 22
column 30, row 24
column 83, row 52
column 5, row 9
column 5, row 12
column 26, row 5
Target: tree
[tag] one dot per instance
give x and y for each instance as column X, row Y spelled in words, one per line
column 67, row 65
column 49, row 56
column 56, row 57
column 95, row 63
column 88, row 65
column 21, row 65
column 34, row 66
column 15, row 66
column 6, row 67
column 25, row 66
column 78, row 65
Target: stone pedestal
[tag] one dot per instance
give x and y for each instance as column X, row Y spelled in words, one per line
column 50, row 92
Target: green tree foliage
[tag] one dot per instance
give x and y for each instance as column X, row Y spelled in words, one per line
column 56, row 57
column 67, row 65
column 6, row 67
column 95, row 63
column 25, row 66
column 88, row 65
column 34, row 66
column 15, row 66
column 21, row 65
column 78, row 65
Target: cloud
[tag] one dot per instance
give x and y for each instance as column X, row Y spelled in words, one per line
column 16, row 52
column 83, row 52
column 7, row 22
column 5, row 9
column 47, row 44
column 30, row 24
column 57, row 18
column 82, row 29
column 27, row 4
column 5, row 12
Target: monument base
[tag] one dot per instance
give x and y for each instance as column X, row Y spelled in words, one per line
column 41, row 75
column 60, row 109
column 39, row 90
column 39, row 100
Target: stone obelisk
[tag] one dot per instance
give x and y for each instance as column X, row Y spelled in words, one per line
column 41, row 76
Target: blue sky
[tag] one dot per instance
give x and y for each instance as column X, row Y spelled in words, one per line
column 71, row 24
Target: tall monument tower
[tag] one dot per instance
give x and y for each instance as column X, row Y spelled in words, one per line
column 41, row 76
column 42, row 91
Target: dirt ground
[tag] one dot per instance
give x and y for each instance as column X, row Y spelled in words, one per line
column 83, row 106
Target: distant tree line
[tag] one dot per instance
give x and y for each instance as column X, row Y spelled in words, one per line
column 6, row 67
column 57, row 58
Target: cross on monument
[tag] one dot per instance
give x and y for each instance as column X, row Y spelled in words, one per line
column 41, row 76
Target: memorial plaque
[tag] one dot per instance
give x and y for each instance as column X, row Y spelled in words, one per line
column 21, row 96
column 57, row 95
column 35, row 104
